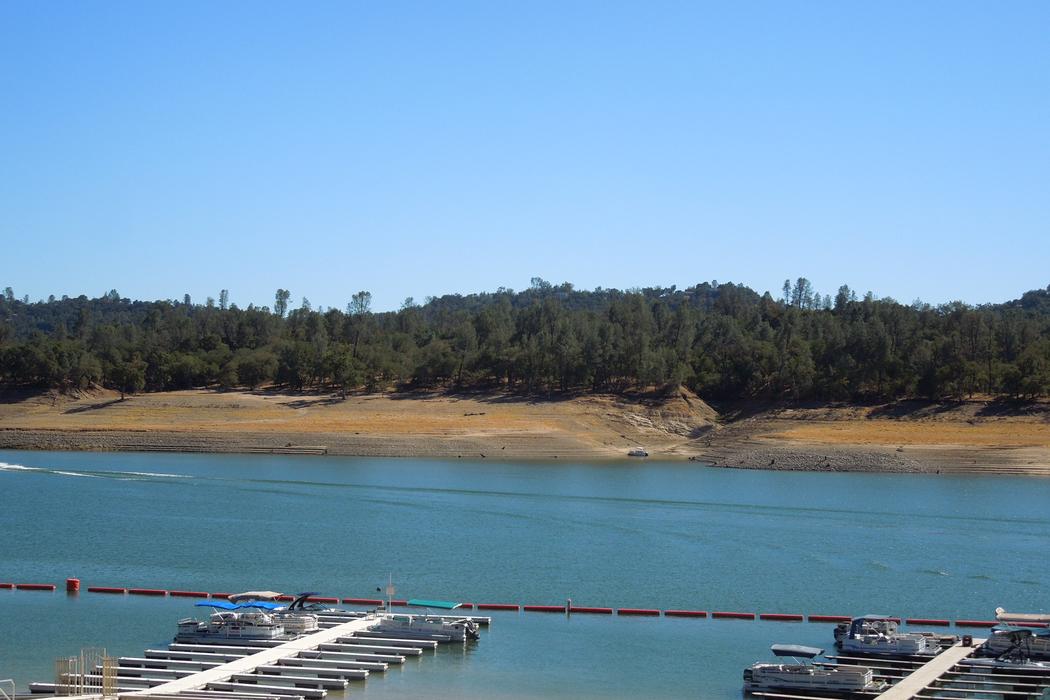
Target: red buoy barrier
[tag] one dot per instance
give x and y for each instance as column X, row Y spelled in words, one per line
column 830, row 618
column 782, row 617
column 685, row 613
column 7, row 585
column 1028, row 624
column 497, row 606
column 187, row 594
column 976, row 623
column 290, row 598
column 733, row 615
column 544, row 608
column 596, row 611
column 467, row 606
column 35, row 586
column 927, row 622
column 401, row 603
column 321, row 599
column 106, row 589
column 220, row 595
column 638, row 611
column 72, row 585
column 147, row 591
column 362, row 601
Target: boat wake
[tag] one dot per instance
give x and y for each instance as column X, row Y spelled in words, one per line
column 89, row 474
column 4, row 466
column 934, row 572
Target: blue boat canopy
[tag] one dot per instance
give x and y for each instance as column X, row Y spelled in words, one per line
column 443, row 604
column 796, row 650
column 223, row 605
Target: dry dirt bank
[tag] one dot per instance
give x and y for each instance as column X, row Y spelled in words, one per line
column 963, row 437
column 971, row 436
column 500, row 426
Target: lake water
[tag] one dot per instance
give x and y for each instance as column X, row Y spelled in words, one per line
column 638, row 534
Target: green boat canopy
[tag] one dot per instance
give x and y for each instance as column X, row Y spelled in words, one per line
column 443, row 604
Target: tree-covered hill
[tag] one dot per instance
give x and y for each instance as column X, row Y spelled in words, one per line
column 721, row 340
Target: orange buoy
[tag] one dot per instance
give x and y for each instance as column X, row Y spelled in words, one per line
column 35, row 586
column 544, row 608
column 976, row 623
column 928, row 622
column 685, row 613
column 72, row 585
column 497, row 606
column 106, row 589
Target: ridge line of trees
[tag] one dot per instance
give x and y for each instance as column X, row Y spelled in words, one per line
column 723, row 341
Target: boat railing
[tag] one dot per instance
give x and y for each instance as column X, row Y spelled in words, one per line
column 7, row 689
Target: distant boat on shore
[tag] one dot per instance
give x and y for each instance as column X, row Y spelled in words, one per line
column 638, row 452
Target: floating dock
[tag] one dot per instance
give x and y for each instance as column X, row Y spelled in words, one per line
column 924, row 677
column 950, row 675
column 305, row 668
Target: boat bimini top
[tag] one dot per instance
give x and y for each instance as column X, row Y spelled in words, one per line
column 223, row 605
column 253, row 595
column 796, row 651
column 856, row 625
column 442, row 604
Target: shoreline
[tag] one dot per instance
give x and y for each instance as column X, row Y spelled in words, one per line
column 758, row 455
column 921, row 438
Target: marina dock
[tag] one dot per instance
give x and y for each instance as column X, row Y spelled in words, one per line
column 251, row 664
column 305, row 668
column 922, row 678
column 950, row 675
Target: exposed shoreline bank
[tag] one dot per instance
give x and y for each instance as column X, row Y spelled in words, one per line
column 961, row 438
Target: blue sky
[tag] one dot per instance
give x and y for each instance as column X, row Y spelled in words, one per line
column 416, row 149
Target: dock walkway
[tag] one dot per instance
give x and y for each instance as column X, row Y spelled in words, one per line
column 926, row 675
column 248, row 664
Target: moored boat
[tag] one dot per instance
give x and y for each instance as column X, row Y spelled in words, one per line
column 231, row 623
column 1001, row 640
column 1015, row 650
column 878, row 635
column 427, row 626
column 807, row 678
column 1021, row 618
column 295, row 617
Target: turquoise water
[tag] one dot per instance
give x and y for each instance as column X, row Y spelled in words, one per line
column 673, row 535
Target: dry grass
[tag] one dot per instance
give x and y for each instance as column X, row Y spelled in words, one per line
column 600, row 425
column 888, row 432
column 895, row 437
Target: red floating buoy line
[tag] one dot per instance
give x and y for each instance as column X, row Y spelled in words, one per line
column 73, row 586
